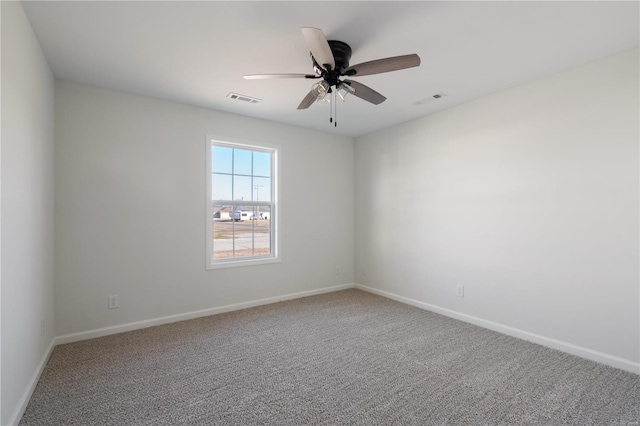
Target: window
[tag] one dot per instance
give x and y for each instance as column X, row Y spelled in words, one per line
column 241, row 204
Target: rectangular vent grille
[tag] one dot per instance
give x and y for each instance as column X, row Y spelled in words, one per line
column 243, row 98
column 433, row 97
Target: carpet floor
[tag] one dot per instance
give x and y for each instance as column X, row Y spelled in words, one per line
column 344, row 358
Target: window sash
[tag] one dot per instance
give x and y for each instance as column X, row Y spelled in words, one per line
column 248, row 222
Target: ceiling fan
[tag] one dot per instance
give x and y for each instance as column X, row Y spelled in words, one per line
column 331, row 64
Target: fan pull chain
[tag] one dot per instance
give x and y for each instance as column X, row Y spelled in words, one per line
column 335, row 114
column 333, row 108
column 330, row 106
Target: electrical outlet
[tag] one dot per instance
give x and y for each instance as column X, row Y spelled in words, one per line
column 460, row 290
column 337, row 270
column 41, row 327
column 114, row 301
column 364, row 270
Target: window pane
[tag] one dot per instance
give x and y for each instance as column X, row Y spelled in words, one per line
column 222, row 232
column 220, row 187
column 262, row 231
column 261, row 189
column 241, row 162
column 243, row 236
column 242, row 188
column 221, row 159
column 261, row 164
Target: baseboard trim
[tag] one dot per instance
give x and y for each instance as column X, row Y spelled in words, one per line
column 105, row 331
column 26, row 396
column 603, row 358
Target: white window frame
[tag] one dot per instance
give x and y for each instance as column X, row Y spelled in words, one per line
column 275, row 173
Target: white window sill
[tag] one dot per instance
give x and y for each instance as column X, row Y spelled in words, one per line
column 237, row 263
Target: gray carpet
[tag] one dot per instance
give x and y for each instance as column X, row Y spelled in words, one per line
column 340, row 358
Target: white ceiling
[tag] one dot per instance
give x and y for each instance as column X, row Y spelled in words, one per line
column 197, row 52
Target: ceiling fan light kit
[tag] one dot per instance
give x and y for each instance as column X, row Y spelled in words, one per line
column 321, row 91
column 330, row 60
column 343, row 90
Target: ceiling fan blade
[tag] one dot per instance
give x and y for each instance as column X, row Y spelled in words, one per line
column 307, row 101
column 366, row 92
column 384, row 65
column 319, row 46
column 273, row 76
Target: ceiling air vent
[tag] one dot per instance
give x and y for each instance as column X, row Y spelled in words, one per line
column 433, row 97
column 243, row 98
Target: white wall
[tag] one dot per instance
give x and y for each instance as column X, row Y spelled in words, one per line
column 27, row 209
column 528, row 198
column 130, row 188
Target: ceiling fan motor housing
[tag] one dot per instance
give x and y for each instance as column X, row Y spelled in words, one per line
column 341, row 55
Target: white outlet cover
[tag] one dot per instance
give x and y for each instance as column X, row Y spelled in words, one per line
column 114, row 301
